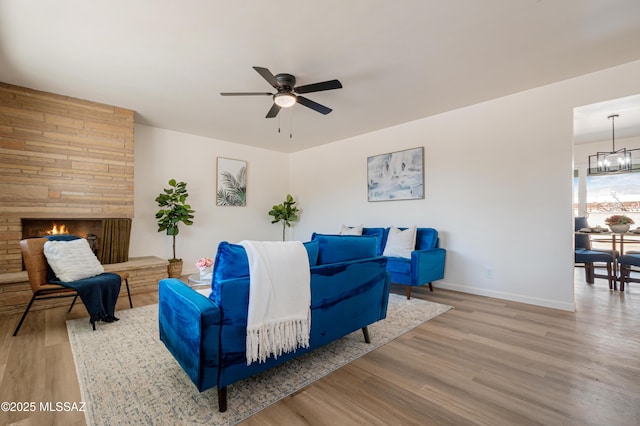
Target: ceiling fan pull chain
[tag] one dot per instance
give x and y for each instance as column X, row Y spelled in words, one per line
column 278, row 124
column 291, row 125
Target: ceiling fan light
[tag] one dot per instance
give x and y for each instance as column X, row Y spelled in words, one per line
column 284, row 100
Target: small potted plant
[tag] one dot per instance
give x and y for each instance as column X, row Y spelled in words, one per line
column 619, row 223
column 173, row 210
column 285, row 212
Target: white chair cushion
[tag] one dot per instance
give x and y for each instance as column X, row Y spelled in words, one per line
column 400, row 243
column 72, row 260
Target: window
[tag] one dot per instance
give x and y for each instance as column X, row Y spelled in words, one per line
column 613, row 194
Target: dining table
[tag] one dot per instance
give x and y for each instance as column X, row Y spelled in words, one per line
column 617, row 240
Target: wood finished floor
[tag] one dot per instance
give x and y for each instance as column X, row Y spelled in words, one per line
column 486, row 362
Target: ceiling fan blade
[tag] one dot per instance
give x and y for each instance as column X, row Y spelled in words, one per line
column 275, row 109
column 246, row 94
column 319, row 87
column 267, row 75
column 314, row 105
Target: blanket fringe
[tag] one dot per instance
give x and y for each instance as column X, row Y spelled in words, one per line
column 277, row 338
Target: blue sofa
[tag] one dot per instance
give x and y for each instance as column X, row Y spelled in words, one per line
column 207, row 336
column 427, row 260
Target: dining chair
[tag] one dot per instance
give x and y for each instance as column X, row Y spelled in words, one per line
column 586, row 257
column 628, row 262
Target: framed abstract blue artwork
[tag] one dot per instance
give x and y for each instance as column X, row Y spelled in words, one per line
column 396, row 175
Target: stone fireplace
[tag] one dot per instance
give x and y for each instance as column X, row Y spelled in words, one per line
column 66, row 161
column 62, row 158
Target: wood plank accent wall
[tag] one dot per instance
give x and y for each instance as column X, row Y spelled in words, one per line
column 60, row 157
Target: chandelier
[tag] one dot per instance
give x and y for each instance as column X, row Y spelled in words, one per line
column 612, row 161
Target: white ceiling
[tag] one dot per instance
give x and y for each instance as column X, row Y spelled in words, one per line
column 592, row 123
column 398, row 60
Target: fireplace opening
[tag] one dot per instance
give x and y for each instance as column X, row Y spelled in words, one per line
column 108, row 238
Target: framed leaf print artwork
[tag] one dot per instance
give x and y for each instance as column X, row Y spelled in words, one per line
column 396, row 175
column 231, row 182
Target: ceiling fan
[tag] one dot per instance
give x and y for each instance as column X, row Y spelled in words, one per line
column 288, row 94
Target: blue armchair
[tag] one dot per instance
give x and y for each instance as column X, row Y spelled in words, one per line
column 427, row 260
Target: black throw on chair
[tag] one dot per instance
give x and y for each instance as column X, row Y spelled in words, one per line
column 587, row 257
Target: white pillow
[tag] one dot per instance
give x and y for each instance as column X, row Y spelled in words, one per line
column 400, row 243
column 72, row 260
column 353, row 230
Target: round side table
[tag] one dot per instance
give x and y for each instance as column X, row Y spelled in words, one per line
column 201, row 285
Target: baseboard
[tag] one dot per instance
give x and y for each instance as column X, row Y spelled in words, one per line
column 554, row 304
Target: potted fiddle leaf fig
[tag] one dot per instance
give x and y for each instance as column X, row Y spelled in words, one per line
column 173, row 211
column 285, row 212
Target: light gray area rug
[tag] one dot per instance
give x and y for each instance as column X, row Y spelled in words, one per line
column 127, row 376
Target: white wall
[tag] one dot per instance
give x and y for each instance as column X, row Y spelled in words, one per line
column 498, row 185
column 161, row 155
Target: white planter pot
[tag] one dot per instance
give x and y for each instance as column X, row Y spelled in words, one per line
column 619, row 229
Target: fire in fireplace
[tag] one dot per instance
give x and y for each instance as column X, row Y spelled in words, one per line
column 108, row 238
column 57, row 230
column 32, row 228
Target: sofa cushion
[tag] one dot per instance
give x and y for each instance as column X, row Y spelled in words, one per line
column 399, row 264
column 231, row 262
column 351, row 230
column 426, row 239
column 381, row 234
column 400, row 243
column 51, row 276
column 312, row 251
column 72, row 260
column 343, row 248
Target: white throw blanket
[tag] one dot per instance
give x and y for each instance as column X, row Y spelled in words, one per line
column 279, row 318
